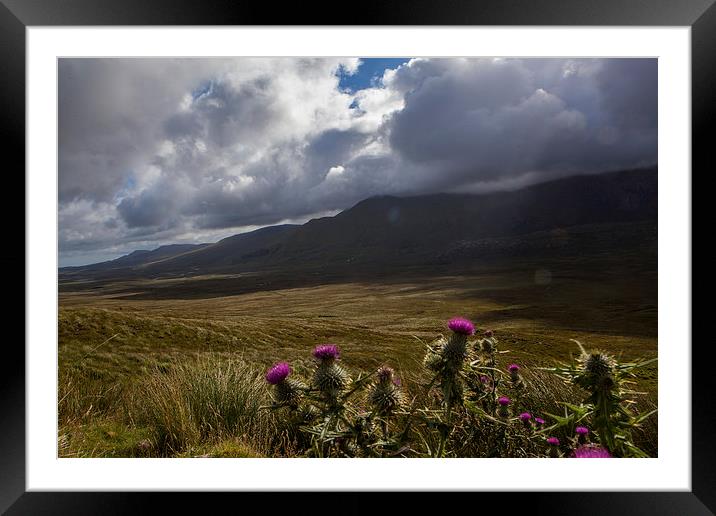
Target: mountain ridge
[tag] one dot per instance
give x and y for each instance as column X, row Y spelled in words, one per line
column 392, row 231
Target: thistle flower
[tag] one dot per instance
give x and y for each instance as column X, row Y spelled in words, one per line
column 286, row 390
column 514, row 370
column 503, row 411
column 462, row 326
column 446, row 357
column 385, row 374
column 539, row 421
column 454, row 350
column 329, row 378
column 553, row 443
column 582, row 432
column 278, row 373
column 591, row 452
column 525, row 417
column 326, row 352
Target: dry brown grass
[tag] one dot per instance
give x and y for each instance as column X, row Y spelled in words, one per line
column 111, row 347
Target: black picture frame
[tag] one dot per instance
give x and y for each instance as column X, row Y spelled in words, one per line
column 16, row 15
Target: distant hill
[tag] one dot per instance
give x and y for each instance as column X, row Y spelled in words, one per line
column 137, row 258
column 227, row 254
column 392, row 232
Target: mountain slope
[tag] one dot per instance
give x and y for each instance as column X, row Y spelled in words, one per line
column 258, row 245
column 386, row 229
column 393, row 232
column 137, row 258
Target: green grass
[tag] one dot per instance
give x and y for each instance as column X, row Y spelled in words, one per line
column 104, row 438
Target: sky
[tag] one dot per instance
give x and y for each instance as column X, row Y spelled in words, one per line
column 158, row 151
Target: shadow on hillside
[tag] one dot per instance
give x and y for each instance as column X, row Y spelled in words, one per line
column 610, row 293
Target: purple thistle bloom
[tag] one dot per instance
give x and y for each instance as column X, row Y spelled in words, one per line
column 591, row 452
column 513, row 368
column 525, row 417
column 278, row 373
column 581, row 430
column 385, row 374
column 503, row 401
column 462, row 326
column 539, row 421
column 484, row 379
column 326, row 352
column 553, row 441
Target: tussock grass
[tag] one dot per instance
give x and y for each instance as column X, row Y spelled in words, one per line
column 209, row 400
column 206, row 406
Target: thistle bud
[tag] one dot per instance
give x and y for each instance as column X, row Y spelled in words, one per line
column 599, row 369
column 385, row 396
column 582, row 433
column 432, row 361
column 385, row 374
column 487, row 346
column 514, row 370
column 503, row 402
column 526, row 417
column 553, row 443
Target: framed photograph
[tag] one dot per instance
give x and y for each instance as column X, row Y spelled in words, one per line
column 437, row 249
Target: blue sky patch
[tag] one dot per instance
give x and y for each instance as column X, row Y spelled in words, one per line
column 370, row 71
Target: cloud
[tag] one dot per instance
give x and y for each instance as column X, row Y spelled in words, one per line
column 499, row 119
column 158, row 150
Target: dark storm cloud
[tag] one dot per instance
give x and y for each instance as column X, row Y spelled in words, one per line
column 110, row 113
column 499, row 119
column 150, row 208
column 155, row 150
column 629, row 92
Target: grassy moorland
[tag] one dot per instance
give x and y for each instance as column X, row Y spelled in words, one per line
column 174, row 367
